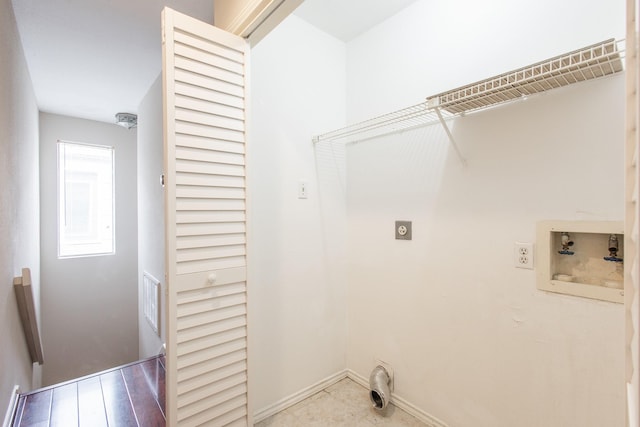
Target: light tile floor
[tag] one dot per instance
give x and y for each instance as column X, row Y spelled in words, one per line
column 344, row 404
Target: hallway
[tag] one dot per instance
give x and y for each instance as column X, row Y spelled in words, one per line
column 130, row 395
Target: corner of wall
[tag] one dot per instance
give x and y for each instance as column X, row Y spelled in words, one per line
column 150, row 212
column 19, row 204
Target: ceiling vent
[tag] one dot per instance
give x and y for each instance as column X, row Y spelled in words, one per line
column 127, row 120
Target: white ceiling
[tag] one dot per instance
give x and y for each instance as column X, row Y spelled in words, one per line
column 346, row 19
column 94, row 58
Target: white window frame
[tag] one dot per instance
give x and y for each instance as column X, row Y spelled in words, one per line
column 98, row 239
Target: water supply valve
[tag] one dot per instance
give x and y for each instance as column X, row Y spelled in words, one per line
column 566, row 243
column 613, row 249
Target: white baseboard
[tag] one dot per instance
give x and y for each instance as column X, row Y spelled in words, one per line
column 299, row 396
column 13, row 401
column 401, row 403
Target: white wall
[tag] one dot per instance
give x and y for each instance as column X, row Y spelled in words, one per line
column 296, row 246
column 437, row 45
column 150, row 211
column 89, row 304
column 470, row 338
column 19, row 187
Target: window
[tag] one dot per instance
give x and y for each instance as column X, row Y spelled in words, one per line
column 85, row 200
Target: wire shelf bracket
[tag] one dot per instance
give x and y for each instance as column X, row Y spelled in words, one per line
column 450, row 136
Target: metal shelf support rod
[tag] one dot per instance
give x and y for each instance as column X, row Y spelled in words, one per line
column 451, row 138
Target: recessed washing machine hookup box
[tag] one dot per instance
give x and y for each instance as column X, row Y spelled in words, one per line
column 581, row 258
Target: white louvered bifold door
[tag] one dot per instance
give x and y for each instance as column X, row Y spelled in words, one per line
column 204, row 122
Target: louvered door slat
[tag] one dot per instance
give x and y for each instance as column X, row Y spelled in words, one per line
column 188, row 39
column 208, row 155
column 212, row 96
column 209, row 131
column 195, row 296
column 198, row 254
column 210, row 180
column 210, row 329
column 202, row 67
column 205, row 305
column 207, row 106
column 191, row 204
column 203, row 76
column 191, row 62
column 210, row 144
column 227, row 389
column 189, row 267
column 194, row 79
column 210, row 241
column 194, row 166
column 205, row 118
column 223, row 313
column 210, row 192
column 207, row 354
column 213, row 376
column 190, row 217
column 193, row 346
column 212, row 229
column 217, row 411
column 214, row 364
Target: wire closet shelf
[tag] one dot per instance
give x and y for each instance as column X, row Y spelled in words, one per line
column 591, row 62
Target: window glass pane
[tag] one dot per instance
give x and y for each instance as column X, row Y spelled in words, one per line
column 85, row 200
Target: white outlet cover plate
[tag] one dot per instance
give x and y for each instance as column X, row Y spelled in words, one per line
column 523, row 255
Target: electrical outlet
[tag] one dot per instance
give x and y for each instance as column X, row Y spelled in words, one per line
column 523, row 255
column 403, row 230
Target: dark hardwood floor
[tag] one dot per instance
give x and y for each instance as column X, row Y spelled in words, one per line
column 131, row 395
